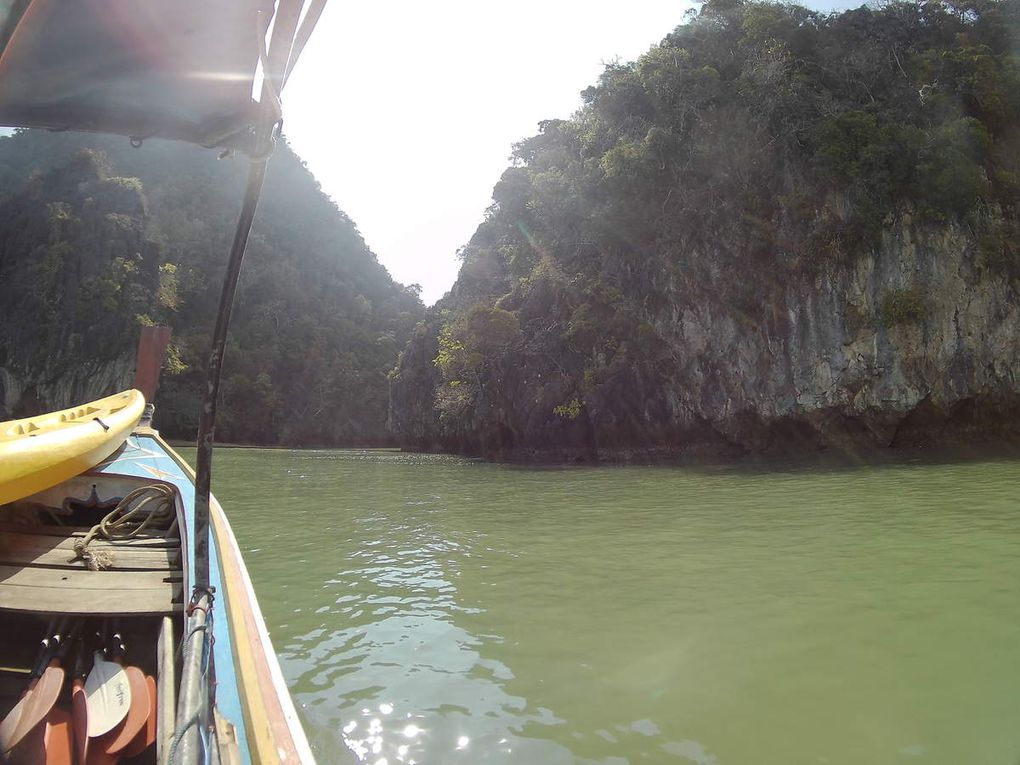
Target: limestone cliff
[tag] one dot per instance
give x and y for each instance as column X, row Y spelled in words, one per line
column 915, row 344
column 78, row 271
column 763, row 236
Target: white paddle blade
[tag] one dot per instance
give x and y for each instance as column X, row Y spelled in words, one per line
column 108, row 695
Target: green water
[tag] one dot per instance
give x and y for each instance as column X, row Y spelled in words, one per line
column 434, row 610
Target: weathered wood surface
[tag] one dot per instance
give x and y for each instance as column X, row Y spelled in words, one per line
column 38, row 575
column 70, row 533
column 18, row 549
column 88, row 592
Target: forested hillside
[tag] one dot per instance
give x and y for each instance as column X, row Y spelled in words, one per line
column 98, row 238
column 777, row 229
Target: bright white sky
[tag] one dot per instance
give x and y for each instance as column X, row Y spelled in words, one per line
column 406, row 111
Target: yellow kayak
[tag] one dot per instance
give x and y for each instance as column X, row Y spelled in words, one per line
column 39, row 452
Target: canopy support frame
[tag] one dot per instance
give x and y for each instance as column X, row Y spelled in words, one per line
column 200, row 692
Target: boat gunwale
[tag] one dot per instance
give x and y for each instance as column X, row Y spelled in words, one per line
column 266, row 728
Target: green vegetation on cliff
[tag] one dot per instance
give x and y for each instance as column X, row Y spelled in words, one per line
column 754, row 156
column 97, row 238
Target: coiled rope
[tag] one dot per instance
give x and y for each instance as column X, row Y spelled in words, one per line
column 154, row 509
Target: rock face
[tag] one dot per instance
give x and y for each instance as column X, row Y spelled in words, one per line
column 77, row 268
column 838, row 363
column 912, row 345
column 23, row 391
column 776, row 231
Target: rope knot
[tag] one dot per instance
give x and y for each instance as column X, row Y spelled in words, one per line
column 95, row 560
column 125, row 521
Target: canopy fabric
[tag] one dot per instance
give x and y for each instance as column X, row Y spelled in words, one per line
column 178, row 69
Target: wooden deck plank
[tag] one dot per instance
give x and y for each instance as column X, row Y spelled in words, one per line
column 79, row 591
column 116, row 583
column 49, row 529
column 37, row 575
column 119, row 560
column 66, row 600
column 41, row 550
column 67, row 535
column 63, row 531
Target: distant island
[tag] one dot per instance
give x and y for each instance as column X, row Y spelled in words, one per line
column 777, row 231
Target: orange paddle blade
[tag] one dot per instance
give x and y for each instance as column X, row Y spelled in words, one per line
column 32, row 748
column 80, row 719
column 147, row 735
column 59, row 737
column 40, row 700
column 10, row 722
column 49, row 743
column 97, row 756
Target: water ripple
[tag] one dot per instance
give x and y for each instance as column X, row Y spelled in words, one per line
column 434, row 610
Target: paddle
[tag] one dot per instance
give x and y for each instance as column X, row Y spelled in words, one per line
column 57, row 731
column 79, row 706
column 50, row 743
column 42, row 697
column 125, row 732
column 145, row 737
column 16, row 729
column 10, row 722
column 108, row 695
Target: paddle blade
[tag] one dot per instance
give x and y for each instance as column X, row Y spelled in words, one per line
column 146, row 736
column 39, row 700
column 10, row 723
column 98, row 757
column 138, row 711
column 108, row 696
column 49, row 743
column 80, row 718
column 31, row 750
column 59, row 737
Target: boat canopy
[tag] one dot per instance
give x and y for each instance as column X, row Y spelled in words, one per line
column 178, row 69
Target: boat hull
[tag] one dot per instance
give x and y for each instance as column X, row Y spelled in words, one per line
column 143, row 581
column 251, row 692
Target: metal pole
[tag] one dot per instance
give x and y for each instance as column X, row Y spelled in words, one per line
column 284, row 29
column 207, row 421
column 196, row 696
column 193, row 712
